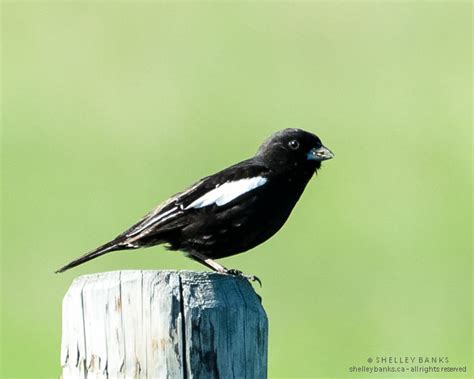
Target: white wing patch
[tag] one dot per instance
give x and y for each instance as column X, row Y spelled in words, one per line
column 227, row 192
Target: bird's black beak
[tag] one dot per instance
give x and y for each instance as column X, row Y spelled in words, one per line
column 320, row 154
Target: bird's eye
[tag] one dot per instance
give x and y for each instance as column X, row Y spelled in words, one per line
column 294, row 144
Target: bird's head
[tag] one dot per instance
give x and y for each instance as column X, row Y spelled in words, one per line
column 294, row 148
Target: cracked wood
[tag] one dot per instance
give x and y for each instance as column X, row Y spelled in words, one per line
column 163, row 324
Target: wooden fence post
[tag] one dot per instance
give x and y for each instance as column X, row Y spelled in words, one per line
column 163, row 324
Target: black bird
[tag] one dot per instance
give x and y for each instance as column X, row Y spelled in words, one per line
column 231, row 211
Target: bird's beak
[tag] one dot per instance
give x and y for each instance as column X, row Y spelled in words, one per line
column 320, row 154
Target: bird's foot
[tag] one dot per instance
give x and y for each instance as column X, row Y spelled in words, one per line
column 251, row 278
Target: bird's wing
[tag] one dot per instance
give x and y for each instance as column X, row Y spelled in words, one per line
column 219, row 190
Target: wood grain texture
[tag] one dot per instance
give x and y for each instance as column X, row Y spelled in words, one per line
column 163, row 324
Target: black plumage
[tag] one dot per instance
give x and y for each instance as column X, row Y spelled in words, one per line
column 233, row 210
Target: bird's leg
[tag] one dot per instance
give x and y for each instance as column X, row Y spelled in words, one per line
column 208, row 262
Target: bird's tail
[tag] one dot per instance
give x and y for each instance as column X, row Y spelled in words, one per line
column 101, row 250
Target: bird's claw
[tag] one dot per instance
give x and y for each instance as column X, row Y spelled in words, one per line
column 251, row 278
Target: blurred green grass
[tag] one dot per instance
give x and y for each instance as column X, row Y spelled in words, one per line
column 108, row 108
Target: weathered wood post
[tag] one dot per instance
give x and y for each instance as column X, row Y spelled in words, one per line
column 163, row 324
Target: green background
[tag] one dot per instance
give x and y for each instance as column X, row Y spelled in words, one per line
column 109, row 108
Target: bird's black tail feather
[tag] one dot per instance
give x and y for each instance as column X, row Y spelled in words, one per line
column 101, row 250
